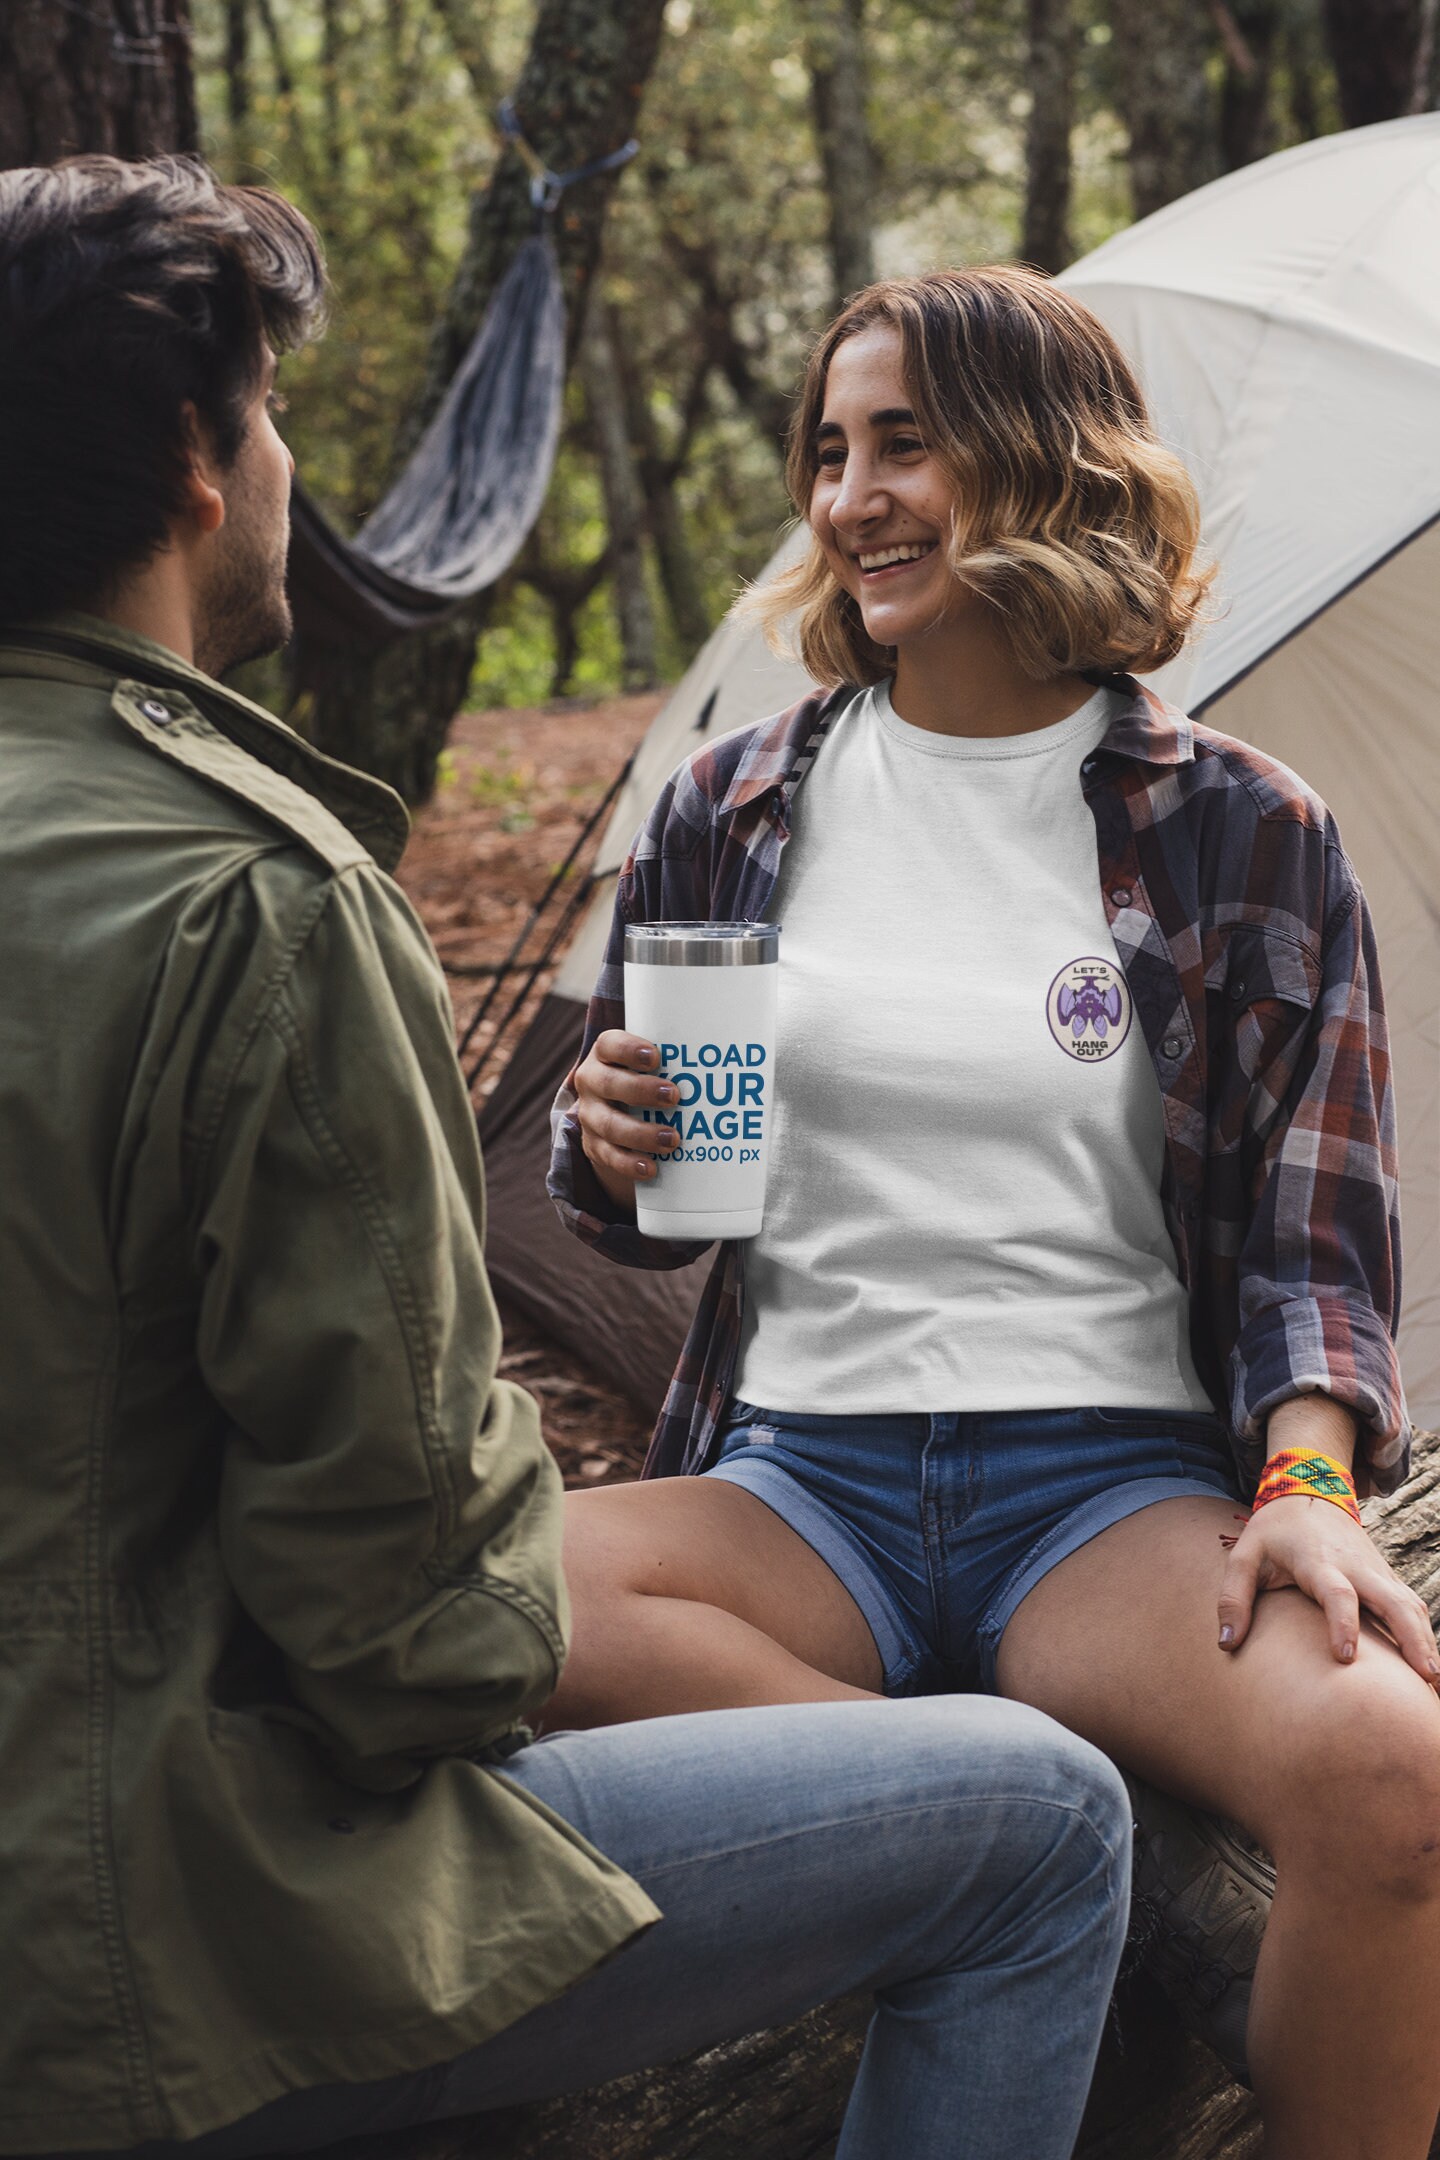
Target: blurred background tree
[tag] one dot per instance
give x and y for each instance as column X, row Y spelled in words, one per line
column 790, row 149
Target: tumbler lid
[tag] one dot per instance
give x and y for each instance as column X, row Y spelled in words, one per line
column 701, row 944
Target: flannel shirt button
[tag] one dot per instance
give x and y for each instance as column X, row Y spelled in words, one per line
column 1121, row 896
column 1088, row 765
column 1237, row 990
column 1171, row 1047
column 154, row 710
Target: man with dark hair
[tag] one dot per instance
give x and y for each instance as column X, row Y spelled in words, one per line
column 279, row 1576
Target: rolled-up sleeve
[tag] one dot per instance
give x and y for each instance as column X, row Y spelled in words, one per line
column 389, row 1514
column 1319, row 1269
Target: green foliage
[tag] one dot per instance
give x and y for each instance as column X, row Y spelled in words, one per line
column 515, row 664
column 716, row 265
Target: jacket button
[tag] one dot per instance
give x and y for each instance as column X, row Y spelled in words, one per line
column 1237, row 990
column 1171, row 1047
column 1121, row 896
column 154, row 710
column 1088, row 765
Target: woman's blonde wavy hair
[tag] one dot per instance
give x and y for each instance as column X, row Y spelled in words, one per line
column 1071, row 518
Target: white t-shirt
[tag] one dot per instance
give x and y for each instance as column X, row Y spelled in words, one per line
column 963, row 1208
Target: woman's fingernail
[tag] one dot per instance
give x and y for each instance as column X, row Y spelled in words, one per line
column 1435, row 1668
column 670, row 1094
column 646, row 1057
column 1227, row 1636
column 1347, row 1653
column 644, row 1168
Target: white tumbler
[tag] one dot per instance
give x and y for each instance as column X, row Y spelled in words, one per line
column 705, row 994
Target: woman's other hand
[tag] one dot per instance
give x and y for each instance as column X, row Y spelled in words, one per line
column 1314, row 1546
column 623, row 1070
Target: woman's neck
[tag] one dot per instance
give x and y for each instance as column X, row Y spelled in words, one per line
column 963, row 679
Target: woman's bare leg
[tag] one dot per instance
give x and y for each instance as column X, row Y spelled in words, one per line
column 1336, row 1768
column 691, row 1594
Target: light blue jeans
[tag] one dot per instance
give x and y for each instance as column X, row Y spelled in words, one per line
column 964, row 1858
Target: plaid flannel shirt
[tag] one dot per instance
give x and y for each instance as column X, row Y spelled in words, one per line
column 1250, row 957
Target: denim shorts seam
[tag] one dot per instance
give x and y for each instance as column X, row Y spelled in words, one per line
column 1028, row 1571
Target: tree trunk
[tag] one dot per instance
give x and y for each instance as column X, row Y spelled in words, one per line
column 237, row 62
column 1045, row 238
column 564, row 588
column 579, row 96
column 279, row 58
column 113, row 75
column 1304, row 67
column 1427, row 47
column 624, row 503
column 835, row 50
column 674, row 556
column 1375, row 45
column 1249, row 30
column 1157, row 2094
column 1161, row 48
column 331, row 44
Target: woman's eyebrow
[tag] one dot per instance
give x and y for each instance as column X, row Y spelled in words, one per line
column 888, row 416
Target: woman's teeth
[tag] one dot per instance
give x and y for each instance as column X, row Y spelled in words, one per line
column 883, row 558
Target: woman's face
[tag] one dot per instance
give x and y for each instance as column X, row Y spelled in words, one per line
column 880, row 505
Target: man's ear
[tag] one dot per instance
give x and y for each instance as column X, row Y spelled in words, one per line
column 204, row 503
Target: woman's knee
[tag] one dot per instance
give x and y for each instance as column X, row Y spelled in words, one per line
column 1360, row 1795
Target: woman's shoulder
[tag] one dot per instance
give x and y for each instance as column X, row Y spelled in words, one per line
column 1199, row 766
column 1261, row 784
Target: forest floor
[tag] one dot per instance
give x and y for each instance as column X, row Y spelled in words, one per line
column 516, row 789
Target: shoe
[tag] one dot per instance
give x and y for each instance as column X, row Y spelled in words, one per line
column 1201, row 1897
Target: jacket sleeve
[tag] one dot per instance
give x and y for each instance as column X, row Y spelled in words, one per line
column 389, row 1514
column 1319, row 1270
column 581, row 1201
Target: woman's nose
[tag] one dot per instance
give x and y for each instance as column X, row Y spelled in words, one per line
column 859, row 497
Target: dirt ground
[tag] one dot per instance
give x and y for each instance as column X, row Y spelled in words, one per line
column 517, row 787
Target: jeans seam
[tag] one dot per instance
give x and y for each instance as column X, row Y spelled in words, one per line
column 648, row 1872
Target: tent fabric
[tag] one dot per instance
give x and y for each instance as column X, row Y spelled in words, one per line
column 458, row 514
column 1285, row 322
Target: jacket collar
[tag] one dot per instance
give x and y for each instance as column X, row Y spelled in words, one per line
column 780, row 751
column 1145, row 728
column 372, row 811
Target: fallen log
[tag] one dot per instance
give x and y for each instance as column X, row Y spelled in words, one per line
column 1158, row 2093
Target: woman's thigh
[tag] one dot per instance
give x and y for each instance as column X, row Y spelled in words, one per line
column 710, row 1543
column 1120, row 1643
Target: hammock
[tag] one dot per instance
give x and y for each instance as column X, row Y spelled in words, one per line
column 458, row 514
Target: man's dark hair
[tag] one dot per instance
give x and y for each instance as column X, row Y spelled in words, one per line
column 126, row 289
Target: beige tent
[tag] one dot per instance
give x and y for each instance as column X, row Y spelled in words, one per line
column 1286, row 324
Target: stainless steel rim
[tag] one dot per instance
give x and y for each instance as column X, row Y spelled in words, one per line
column 701, row 944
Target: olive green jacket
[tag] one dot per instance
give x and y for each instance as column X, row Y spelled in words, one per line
column 279, row 1555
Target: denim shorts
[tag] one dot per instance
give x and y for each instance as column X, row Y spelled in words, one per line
column 939, row 1523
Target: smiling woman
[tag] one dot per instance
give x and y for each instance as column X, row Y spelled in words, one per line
column 1018, row 454
column 1081, row 1197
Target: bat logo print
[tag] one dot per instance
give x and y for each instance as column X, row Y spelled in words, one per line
column 1089, row 1009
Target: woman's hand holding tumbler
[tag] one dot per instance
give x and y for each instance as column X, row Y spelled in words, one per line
column 619, row 1070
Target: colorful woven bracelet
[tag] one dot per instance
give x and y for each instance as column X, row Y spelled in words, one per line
column 1307, row 1472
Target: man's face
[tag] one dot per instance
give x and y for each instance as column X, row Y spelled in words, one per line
column 241, row 610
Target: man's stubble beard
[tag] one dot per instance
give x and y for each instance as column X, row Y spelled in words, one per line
column 245, row 613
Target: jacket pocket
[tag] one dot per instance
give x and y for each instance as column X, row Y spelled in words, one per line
column 1258, row 966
